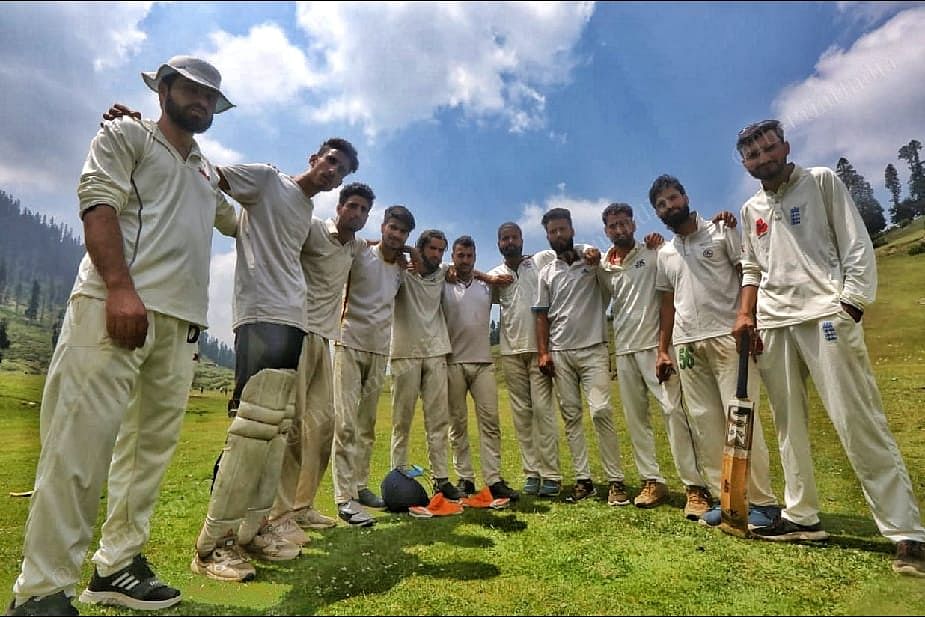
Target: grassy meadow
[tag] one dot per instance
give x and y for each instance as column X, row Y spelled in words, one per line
column 539, row 557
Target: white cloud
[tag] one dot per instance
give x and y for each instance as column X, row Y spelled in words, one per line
column 872, row 12
column 221, row 292
column 386, row 65
column 586, row 219
column 217, row 153
column 864, row 102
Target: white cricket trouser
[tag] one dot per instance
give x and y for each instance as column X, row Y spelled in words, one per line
column 832, row 351
column 587, row 370
column 535, row 422
column 358, row 380
column 424, row 377
column 479, row 380
column 636, row 376
column 106, row 411
column 308, row 444
column 708, row 371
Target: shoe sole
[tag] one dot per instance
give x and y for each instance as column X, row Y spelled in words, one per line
column 203, row 570
column 646, row 506
column 615, row 504
column 907, row 569
column 115, row 598
column 318, row 525
column 694, row 516
column 796, row 536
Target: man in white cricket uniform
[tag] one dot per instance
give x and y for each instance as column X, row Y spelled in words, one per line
column 269, row 325
column 628, row 271
column 420, row 344
column 698, row 277
column 470, row 370
column 119, row 379
column 809, row 267
column 360, row 360
column 529, row 390
column 327, row 257
column 570, row 324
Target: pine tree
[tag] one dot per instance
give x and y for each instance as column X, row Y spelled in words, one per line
column 33, row 308
column 4, row 339
column 891, row 182
column 910, row 153
column 863, row 195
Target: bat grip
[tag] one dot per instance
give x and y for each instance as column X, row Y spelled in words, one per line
column 742, row 380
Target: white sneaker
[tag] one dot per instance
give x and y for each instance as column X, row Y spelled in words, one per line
column 269, row 545
column 313, row 519
column 287, row 528
column 224, row 563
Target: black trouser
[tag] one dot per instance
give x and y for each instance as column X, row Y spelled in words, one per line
column 258, row 346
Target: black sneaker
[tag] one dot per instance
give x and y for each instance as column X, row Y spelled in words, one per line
column 443, row 485
column 783, row 530
column 370, row 499
column 583, row 489
column 55, row 604
column 500, row 489
column 466, row 487
column 135, row 586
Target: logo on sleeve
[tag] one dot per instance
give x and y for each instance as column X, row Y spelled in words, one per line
column 794, row 216
column 761, row 227
column 828, row 331
column 640, row 264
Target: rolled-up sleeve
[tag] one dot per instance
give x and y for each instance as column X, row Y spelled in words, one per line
column 106, row 175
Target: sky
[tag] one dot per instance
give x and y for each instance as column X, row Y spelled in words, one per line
column 473, row 114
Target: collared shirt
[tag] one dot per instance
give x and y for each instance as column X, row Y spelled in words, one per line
column 467, row 307
column 269, row 286
column 326, row 264
column 700, row 270
column 167, row 236
column 634, row 299
column 574, row 302
column 367, row 320
column 807, row 250
column 518, row 321
column 419, row 329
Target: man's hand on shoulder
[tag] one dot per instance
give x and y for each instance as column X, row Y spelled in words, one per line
column 654, row 241
column 118, row 110
column 727, row 218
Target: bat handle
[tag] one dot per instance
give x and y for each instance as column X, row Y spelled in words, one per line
column 742, row 381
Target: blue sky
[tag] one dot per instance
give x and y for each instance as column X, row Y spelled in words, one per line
column 472, row 114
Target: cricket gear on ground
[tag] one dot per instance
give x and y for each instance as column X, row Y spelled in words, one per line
column 465, row 487
column 288, row 529
column 426, row 377
column 355, row 515
column 910, row 558
column 443, row 485
column 477, row 380
column 54, row 604
column 370, row 499
column 617, row 494
column 653, row 494
column 740, row 423
column 550, row 488
column 832, row 351
column 248, row 475
column 227, row 562
column 132, row 413
column 485, row 499
column 400, row 490
column 582, row 490
column 531, row 486
column 135, row 587
column 270, row 546
column 500, row 489
column 783, row 530
column 311, row 518
column 698, row 502
column 439, row 505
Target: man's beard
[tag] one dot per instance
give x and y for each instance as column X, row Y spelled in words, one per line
column 768, row 171
column 512, row 251
column 184, row 120
column 624, row 242
column 563, row 246
column 677, row 218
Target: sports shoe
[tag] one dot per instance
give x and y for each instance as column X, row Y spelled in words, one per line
column 354, row 514
column 653, row 493
column 910, row 558
column 370, row 499
column 465, row 487
column 550, row 488
column 313, row 519
column 443, row 485
column 783, row 530
column 225, row 563
column 617, row 495
column 55, row 604
column 712, row 517
column 134, row 586
column 531, row 486
column 583, row 489
column 698, row 502
column 287, row 529
column 762, row 516
column 500, row 490
column 270, row 546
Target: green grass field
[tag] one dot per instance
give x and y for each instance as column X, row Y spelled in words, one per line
column 541, row 557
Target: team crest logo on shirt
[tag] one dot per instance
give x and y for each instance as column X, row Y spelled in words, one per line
column 640, row 264
column 708, row 253
column 794, row 216
column 828, row 331
column 761, row 227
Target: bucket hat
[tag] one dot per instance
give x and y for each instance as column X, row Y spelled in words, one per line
column 194, row 69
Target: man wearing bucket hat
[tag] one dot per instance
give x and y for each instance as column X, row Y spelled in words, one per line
column 120, row 375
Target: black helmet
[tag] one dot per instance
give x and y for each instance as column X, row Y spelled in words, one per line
column 400, row 490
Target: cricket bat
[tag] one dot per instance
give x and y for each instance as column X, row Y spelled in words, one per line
column 740, row 424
